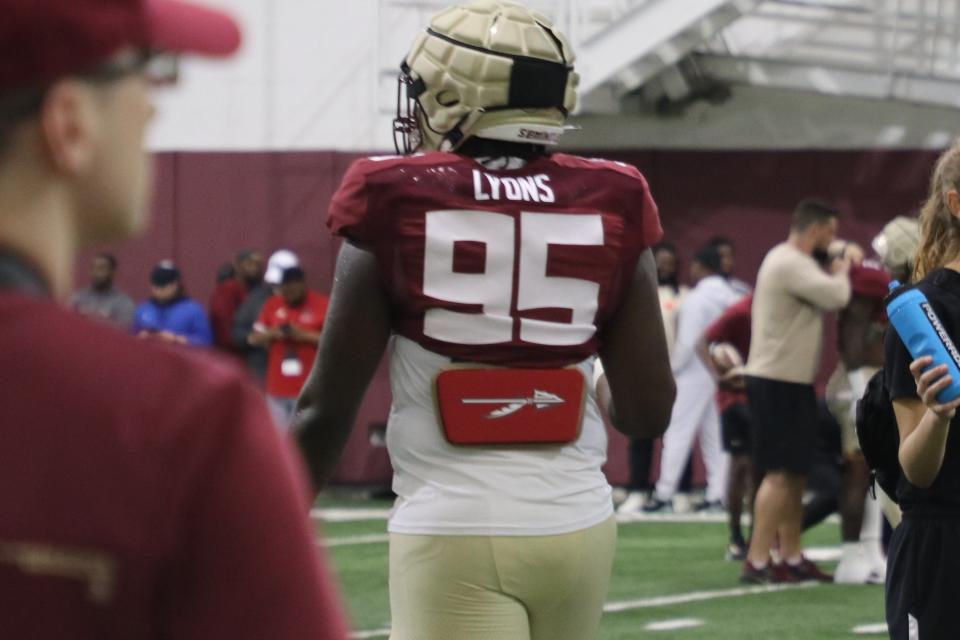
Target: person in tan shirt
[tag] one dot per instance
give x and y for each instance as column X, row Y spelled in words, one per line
column 792, row 294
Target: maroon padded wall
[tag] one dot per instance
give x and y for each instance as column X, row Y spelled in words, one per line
column 207, row 206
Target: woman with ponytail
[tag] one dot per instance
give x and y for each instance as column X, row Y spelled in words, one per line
column 923, row 566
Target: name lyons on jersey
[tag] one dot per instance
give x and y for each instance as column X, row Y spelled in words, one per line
column 521, row 188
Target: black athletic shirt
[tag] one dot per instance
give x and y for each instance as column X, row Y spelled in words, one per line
column 942, row 288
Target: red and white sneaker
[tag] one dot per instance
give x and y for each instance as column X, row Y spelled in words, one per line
column 770, row 574
column 807, row 571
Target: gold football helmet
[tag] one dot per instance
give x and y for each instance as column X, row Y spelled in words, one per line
column 487, row 68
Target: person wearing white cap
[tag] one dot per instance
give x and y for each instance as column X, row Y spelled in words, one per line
column 255, row 355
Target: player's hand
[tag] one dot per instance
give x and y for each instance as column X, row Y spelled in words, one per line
column 840, row 265
column 297, row 334
column 733, row 380
column 932, row 382
column 171, row 337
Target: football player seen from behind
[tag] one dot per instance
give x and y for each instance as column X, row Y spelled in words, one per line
column 501, row 271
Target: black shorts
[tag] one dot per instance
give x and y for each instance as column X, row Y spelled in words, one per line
column 736, row 429
column 923, row 577
column 785, row 425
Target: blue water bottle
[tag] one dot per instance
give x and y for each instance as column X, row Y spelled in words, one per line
column 923, row 334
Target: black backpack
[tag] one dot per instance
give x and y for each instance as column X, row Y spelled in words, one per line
column 878, row 434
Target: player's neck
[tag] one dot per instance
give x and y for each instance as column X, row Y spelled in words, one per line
column 802, row 242
column 36, row 223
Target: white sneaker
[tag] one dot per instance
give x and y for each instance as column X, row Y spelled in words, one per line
column 855, row 568
column 682, row 503
column 633, row 503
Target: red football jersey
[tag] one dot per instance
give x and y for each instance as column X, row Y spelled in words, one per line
column 733, row 327
column 513, row 267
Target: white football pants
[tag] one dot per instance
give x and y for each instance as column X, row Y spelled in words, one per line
column 694, row 414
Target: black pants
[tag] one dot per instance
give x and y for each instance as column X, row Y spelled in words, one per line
column 640, row 461
column 923, row 577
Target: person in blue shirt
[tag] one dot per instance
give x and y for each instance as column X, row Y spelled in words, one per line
column 170, row 315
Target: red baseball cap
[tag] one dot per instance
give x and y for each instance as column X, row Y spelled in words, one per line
column 869, row 280
column 42, row 40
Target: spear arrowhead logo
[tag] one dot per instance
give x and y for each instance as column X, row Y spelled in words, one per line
column 540, row 400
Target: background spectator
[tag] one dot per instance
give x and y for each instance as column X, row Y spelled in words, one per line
column 736, row 425
column 230, row 294
column 640, row 452
column 860, row 329
column 249, row 311
column 170, row 315
column 226, row 271
column 792, row 294
column 728, row 256
column 102, row 299
column 290, row 324
column 695, row 411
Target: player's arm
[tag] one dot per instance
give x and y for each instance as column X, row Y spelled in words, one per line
column 352, row 342
column 854, row 332
column 703, row 352
column 635, row 358
column 924, row 423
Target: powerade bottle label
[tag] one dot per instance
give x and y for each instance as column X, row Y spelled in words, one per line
column 918, row 326
column 941, row 332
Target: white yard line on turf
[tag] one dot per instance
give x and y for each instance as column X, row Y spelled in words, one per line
column 659, row 601
column 673, row 625
column 358, row 515
column 349, row 515
column 879, row 628
column 346, row 541
column 700, row 596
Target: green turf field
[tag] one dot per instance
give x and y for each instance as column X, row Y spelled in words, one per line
column 654, row 559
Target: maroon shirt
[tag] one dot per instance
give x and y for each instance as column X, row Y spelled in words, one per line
column 224, row 302
column 144, row 494
column 505, row 267
column 733, row 327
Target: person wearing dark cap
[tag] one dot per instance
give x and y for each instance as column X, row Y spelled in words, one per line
column 230, row 293
column 169, row 315
column 289, row 325
column 695, row 412
column 145, row 493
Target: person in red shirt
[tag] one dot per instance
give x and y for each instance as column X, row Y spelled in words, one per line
column 290, row 324
column 733, row 328
column 230, row 294
column 145, row 492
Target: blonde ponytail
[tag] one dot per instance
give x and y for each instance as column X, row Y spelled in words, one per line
column 939, row 230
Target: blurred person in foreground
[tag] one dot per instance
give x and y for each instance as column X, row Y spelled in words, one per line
column 923, row 560
column 499, row 269
column 289, row 325
column 145, row 494
column 170, row 315
column 229, row 295
column 793, row 293
column 103, row 300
